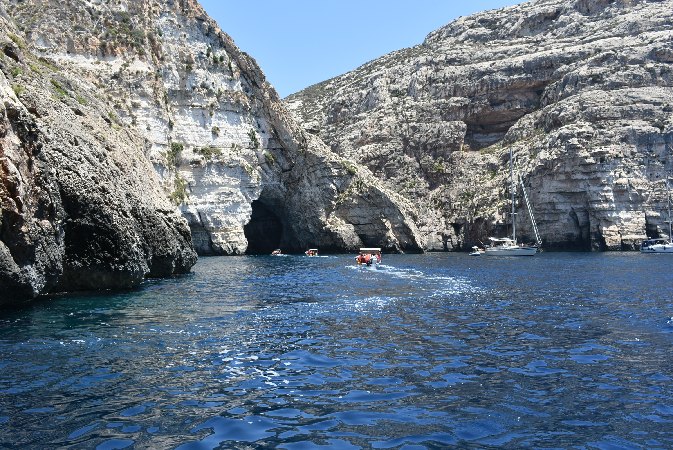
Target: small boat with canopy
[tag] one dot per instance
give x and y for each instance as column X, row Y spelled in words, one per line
column 369, row 256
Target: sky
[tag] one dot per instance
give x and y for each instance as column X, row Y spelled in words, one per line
column 298, row 43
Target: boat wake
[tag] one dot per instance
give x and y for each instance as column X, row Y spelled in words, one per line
column 438, row 285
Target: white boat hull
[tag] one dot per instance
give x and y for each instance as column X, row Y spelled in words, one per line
column 658, row 248
column 511, row 251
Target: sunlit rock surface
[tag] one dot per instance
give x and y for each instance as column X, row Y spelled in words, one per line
column 215, row 130
column 82, row 207
column 580, row 90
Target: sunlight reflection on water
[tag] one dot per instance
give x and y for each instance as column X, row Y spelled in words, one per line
column 427, row 351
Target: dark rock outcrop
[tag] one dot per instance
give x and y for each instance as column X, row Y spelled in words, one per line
column 82, row 208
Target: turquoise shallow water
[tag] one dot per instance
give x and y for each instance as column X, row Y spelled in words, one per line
column 431, row 351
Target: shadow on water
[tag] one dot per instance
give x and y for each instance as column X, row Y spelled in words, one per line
column 428, row 351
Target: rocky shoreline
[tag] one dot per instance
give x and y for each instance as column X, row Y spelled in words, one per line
column 82, row 208
column 135, row 135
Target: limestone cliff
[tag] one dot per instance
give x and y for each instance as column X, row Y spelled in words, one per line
column 82, row 208
column 244, row 174
column 582, row 91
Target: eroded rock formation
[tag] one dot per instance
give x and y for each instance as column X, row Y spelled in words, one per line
column 98, row 98
column 245, row 175
column 82, row 207
column 580, row 90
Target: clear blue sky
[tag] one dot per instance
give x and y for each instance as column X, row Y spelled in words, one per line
column 298, row 43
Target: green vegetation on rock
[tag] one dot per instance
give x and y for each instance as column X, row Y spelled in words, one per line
column 173, row 154
column 253, row 138
column 209, row 152
column 179, row 194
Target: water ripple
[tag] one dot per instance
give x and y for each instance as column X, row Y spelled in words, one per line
column 428, row 351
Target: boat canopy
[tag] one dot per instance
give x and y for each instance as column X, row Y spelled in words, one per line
column 370, row 250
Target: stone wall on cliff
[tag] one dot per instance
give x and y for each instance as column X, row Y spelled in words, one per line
column 82, row 207
column 581, row 91
column 244, row 174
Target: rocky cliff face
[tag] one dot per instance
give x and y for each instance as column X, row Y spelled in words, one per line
column 582, row 91
column 244, row 174
column 82, row 208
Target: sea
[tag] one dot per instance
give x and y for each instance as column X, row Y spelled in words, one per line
column 433, row 351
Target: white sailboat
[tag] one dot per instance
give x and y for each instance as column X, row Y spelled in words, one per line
column 660, row 245
column 508, row 246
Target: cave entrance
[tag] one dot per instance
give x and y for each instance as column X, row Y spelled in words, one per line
column 264, row 230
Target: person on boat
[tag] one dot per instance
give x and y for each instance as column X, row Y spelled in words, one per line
column 276, row 252
column 362, row 258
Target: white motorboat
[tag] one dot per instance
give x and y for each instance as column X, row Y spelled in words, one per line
column 656, row 246
column 369, row 256
column 476, row 251
column 509, row 246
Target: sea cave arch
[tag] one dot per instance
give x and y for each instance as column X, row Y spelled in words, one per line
column 264, row 231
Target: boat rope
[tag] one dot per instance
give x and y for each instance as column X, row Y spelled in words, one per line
column 538, row 241
column 530, row 211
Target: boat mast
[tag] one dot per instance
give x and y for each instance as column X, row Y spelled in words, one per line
column 668, row 191
column 512, row 189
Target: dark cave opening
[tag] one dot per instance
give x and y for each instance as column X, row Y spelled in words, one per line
column 264, row 230
column 651, row 229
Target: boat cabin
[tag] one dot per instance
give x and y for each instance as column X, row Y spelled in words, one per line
column 371, row 250
column 311, row 252
column 501, row 241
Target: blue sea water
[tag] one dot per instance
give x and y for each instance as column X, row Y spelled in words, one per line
column 561, row 350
